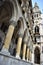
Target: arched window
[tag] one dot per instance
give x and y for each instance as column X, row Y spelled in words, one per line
column 36, row 29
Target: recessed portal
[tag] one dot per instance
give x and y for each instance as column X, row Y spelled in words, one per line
column 37, row 55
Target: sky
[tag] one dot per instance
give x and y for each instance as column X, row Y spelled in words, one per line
column 40, row 4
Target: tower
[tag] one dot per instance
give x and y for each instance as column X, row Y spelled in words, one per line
column 36, row 34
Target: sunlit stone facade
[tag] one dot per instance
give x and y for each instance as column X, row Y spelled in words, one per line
column 38, row 35
column 16, row 29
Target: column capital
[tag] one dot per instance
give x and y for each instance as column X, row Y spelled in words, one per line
column 21, row 33
column 14, row 23
column 25, row 40
column 28, row 46
column 21, row 27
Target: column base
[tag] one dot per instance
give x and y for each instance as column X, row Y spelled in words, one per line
column 32, row 58
column 27, row 60
column 23, row 59
column 17, row 56
column 5, row 51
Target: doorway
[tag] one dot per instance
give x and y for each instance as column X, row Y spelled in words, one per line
column 37, row 55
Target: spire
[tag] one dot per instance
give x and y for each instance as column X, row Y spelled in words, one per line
column 36, row 7
column 36, row 4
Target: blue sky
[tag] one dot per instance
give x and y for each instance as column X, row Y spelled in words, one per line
column 40, row 4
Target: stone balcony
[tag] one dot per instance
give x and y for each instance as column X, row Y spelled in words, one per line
column 10, row 60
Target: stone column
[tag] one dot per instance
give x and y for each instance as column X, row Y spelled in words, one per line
column 24, row 51
column 8, row 38
column 30, row 56
column 18, row 49
column 33, row 56
column 25, row 43
column 20, row 34
column 28, row 53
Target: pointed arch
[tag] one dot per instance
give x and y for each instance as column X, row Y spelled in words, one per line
column 37, row 55
column 36, row 29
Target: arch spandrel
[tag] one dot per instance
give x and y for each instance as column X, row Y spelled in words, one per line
column 8, row 11
column 12, row 12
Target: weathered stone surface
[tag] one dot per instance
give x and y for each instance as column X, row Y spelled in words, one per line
column 9, row 60
column 41, row 64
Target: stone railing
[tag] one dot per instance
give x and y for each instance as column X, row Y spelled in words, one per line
column 10, row 60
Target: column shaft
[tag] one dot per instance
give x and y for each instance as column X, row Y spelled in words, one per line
column 28, row 54
column 18, row 49
column 24, row 51
column 8, row 37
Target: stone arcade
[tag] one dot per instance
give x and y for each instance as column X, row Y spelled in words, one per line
column 16, row 35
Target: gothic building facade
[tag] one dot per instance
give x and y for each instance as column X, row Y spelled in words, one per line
column 38, row 35
column 16, row 30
